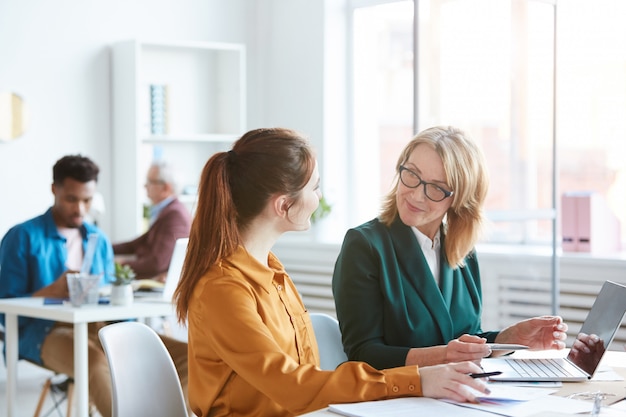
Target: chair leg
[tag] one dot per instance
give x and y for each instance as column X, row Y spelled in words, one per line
column 70, row 398
column 42, row 396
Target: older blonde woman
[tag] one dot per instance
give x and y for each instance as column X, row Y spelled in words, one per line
column 407, row 284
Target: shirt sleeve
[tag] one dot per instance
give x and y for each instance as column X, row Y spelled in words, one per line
column 14, row 281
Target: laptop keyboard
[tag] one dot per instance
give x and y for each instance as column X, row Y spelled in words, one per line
column 540, row 367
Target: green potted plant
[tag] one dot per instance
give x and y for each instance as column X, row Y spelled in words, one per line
column 122, row 290
column 322, row 210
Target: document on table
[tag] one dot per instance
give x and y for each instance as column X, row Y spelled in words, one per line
column 514, row 401
column 401, row 407
column 503, row 400
column 545, row 404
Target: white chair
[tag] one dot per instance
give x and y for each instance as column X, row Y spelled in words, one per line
column 144, row 379
column 328, row 338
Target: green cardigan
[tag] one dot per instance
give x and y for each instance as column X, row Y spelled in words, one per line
column 388, row 302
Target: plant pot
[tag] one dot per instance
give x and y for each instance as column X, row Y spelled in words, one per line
column 122, row 295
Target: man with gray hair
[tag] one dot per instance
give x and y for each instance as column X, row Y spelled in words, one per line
column 169, row 220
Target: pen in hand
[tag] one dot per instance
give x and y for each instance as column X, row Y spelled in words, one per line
column 485, row 375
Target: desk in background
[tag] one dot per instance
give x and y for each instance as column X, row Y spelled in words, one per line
column 79, row 316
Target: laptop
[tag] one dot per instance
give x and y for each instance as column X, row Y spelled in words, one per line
column 603, row 320
column 172, row 277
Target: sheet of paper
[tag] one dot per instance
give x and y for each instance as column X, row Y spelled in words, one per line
column 514, row 393
column 531, row 384
column 621, row 405
column 542, row 404
column 401, row 407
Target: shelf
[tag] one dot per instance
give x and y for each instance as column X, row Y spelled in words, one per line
column 176, row 101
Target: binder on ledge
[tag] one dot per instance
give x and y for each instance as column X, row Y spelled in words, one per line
column 588, row 224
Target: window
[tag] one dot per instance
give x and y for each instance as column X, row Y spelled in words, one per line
column 382, row 98
column 488, row 67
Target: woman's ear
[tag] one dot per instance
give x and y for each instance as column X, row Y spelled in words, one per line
column 281, row 206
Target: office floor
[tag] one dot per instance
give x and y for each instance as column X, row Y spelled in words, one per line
column 30, row 381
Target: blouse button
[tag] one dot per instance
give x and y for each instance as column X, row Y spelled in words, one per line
column 411, row 387
column 395, row 389
column 279, row 287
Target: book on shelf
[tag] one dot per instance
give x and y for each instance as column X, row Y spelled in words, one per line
column 158, row 109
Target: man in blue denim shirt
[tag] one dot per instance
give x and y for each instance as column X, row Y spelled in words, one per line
column 35, row 257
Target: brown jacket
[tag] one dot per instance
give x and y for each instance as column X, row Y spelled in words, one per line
column 153, row 250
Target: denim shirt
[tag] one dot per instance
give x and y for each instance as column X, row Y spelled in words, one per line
column 33, row 256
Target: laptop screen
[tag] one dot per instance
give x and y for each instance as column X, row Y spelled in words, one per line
column 599, row 328
column 175, row 268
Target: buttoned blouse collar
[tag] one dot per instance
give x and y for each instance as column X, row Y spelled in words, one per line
column 253, row 270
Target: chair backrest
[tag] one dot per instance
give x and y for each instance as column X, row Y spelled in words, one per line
column 144, row 379
column 328, row 338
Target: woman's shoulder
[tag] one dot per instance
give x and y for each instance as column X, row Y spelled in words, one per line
column 374, row 226
column 220, row 278
column 373, row 233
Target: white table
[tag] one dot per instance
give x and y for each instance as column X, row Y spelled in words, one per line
column 80, row 317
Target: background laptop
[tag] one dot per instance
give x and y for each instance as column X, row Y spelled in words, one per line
column 173, row 275
column 603, row 320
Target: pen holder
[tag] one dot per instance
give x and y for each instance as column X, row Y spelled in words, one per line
column 83, row 288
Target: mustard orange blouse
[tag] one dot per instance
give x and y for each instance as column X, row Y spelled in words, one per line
column 252, row 350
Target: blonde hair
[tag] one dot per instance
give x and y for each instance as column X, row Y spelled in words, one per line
column 466, row 174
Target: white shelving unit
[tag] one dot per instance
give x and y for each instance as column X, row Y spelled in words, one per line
column 205, row 112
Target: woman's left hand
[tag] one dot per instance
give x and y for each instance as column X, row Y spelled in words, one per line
column 538, row 333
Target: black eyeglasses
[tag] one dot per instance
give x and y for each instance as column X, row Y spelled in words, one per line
column 432, row 191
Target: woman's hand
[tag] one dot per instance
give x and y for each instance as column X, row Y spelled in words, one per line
column 452, row 381
column 538, row 333
column 467, row 348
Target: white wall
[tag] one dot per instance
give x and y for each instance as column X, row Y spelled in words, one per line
column 55, row 55
column 289, row 81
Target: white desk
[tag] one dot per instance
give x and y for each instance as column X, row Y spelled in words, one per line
column 80, row 317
